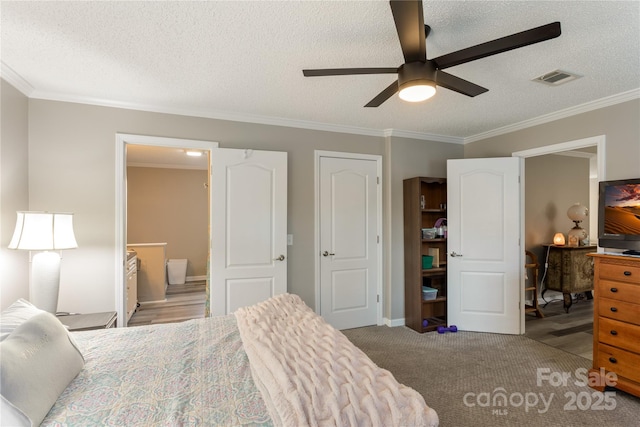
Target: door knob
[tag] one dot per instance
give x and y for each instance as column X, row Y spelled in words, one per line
column 325, row 253
column 453, row 254
column 280, row 258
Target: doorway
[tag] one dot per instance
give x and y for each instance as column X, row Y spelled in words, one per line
column 122, row 142
column 576, row 337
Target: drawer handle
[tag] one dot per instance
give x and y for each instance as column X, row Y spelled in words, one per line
column 613, row 360
column 614, row 289
column 627, row 273
column 614, row 332
column 614, row 309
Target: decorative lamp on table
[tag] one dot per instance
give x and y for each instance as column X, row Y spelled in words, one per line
column 577, row 236
column 48, row 232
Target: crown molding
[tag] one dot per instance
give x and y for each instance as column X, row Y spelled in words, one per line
column 23, row 86
column 16, row 80
column 396, row 133
column 561, row 114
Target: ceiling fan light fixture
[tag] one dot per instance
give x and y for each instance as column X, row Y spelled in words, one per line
column 417, row 90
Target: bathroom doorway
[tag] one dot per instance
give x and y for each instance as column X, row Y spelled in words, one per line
column 157, row 153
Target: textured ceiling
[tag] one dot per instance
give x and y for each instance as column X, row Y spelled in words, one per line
column 243, row 60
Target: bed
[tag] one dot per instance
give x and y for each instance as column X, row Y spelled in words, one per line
column 274, row 363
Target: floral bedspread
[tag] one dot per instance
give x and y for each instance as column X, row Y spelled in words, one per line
column 194, row 373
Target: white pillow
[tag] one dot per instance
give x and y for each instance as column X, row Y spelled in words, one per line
column 15, row 315
column 38, row 360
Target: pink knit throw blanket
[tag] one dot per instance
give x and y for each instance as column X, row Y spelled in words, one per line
column 310, row 374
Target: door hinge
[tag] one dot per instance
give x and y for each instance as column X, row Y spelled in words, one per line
column 378, row 298
column 378, row 180
column 378, row 239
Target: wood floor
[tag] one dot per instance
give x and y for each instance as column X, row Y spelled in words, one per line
column 571, row 332
column 183, row 302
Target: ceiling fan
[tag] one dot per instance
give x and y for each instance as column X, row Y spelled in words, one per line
column 418, row 76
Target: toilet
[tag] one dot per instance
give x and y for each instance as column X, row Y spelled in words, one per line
column 177, row 271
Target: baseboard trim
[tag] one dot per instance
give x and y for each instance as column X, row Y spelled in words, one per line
column 196, row 278
column 392, row 323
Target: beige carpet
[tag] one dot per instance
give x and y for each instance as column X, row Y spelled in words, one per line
column 460, row 374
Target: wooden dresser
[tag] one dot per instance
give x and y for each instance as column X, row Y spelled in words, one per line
column 616, row 321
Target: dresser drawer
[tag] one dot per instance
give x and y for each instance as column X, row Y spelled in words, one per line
column 619, row 310
column 618, row 272
column 623, row 363
column 618, row 291
column 619, row 334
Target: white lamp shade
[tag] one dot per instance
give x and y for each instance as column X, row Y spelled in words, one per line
column 43, row 231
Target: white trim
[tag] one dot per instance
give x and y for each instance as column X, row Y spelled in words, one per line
column 393, row 323
column 23, row 86
column 16, row 80
column 122, row 139
column 598, row 141
column 397, row 133
column 567, row 112
column 318, row 154
column 165, row 166
column 579, row 154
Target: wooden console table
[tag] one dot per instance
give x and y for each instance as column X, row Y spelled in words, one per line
column 570, row 270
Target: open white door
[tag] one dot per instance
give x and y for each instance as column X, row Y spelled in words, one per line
column 485, row 261
column 248, row 228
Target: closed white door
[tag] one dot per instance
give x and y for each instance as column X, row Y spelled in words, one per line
column 248, row 228
column 485, row 261
column 348, row 218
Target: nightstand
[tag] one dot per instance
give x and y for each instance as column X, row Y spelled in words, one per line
column 88, row 322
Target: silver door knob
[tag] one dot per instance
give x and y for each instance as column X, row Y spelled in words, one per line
column 325, row 253
column 280, row 258
column 453, row 254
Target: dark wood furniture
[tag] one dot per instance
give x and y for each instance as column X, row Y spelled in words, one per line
column 616, row 323
column 424, row 315
column 88, row 322
column 531, row 283
column 570, row 271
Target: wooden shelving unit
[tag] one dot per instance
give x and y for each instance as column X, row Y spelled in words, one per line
column 417, row 310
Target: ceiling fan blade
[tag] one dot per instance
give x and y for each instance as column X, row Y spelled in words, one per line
column 347, row 71
column 384, row 95
column 409, row 20
column 457, row 84
column 514, row 41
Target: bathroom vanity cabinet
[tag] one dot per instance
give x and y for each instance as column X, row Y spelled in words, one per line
column 152, row 272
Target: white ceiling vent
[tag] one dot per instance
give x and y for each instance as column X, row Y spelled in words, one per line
column 556, row 78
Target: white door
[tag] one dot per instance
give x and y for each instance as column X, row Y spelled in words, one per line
column 485, row 262
column 348, row 215
column 248, row 227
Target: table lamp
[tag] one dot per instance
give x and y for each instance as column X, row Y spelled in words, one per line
column 577, row 235
column 44, row 231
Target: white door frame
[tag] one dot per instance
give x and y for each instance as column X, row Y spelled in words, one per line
column 599, row 142
column 318, row 154
column 122, row 140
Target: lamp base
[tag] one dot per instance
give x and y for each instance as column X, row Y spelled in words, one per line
column 45, row 281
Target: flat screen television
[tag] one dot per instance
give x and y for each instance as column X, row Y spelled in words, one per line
column 619, row 215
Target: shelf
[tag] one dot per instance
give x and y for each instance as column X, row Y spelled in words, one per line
column 440, row 239
column 434, row 210
column 434, row 271
column 433, row 324
column 431, row 301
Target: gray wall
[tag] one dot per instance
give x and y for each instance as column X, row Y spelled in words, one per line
column 552, row 184
column 72, row 167
column 619, row 123
column 408, row 158
column 14, row 192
